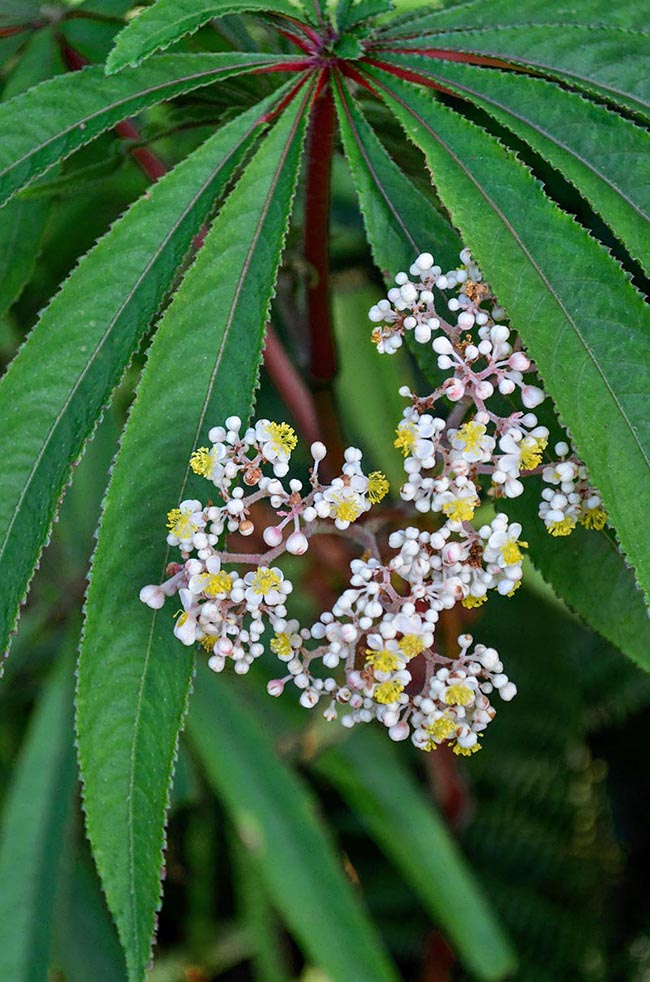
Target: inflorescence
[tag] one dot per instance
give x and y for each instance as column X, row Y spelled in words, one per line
column 375, row 655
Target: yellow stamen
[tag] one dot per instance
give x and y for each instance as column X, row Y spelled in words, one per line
column 594, row 518
column 383, row 661
column 217, row 583
column 208, row 642
column 265, row 579
column 466, row 751
column 201, row 462
column 531, row 452
column 512, row 553
column 442, row 729
column 405, row 438
column 411, row 645
column 281, row 645
column 180, row 524
column 469, row 601
column 460, row 509
column 378, row 487
column 565, row 527
column 388, row 692
column 470, row 435
column 346, row 510
column 459, row 695
column 282, row 437
column 515, row 587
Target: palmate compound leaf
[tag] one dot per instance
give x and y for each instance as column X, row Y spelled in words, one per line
column 55, row 118
column 601, row 153
column 166, row 21
column 584, row 324
column 603, row 61
column 276, row 820
column 84, row 340
column 134, row 676
column 367, row 772
column 35, row 814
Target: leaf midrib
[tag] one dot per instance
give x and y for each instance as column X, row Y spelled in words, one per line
column 492, row 204
column 148, row 649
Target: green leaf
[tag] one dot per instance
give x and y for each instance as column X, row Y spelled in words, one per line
column 370, row 775
column 400, row 222
column 478, row 13
column 84, row 943
column 352, row 12
column 57, row 117
column 166, row 21
column 35, row 815
column 22, row 224
column 585, row 325
column 133, row 675
column 601, row 153
column 276, row 821
column 83, row 342
column 603, row 61
column 588, row 572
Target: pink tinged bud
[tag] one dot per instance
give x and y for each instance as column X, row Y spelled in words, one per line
column 152, row 596
column 519, row 361
column 399, row 732
column 506, row 386
column 297, row 544
column 454, row 389
column 272, row 536
column 484, row 390
column 531, row 396
column 275, row 687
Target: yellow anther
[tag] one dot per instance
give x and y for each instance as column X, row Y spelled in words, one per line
column 466, row 751
column 281, row 645
column 378, row 487
column 388, row 692
column 265, row 579
column 458, row 695
column 565, row 527
column 460, row 509
column 594, row 518
column 469, row 601
column 201, row 462
column 405, row 438
column 412, row 645
column 531, row 452
column 216, row 583
column 282, row 437
column 383, row 661
column 180, row 524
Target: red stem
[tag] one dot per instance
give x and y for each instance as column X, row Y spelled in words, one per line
column 408, row 75
column 445, row 54
column 316, row 243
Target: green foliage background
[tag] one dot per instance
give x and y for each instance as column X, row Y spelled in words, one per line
column 294, row 851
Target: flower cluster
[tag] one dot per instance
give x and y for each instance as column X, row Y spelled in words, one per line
column 374, row 655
